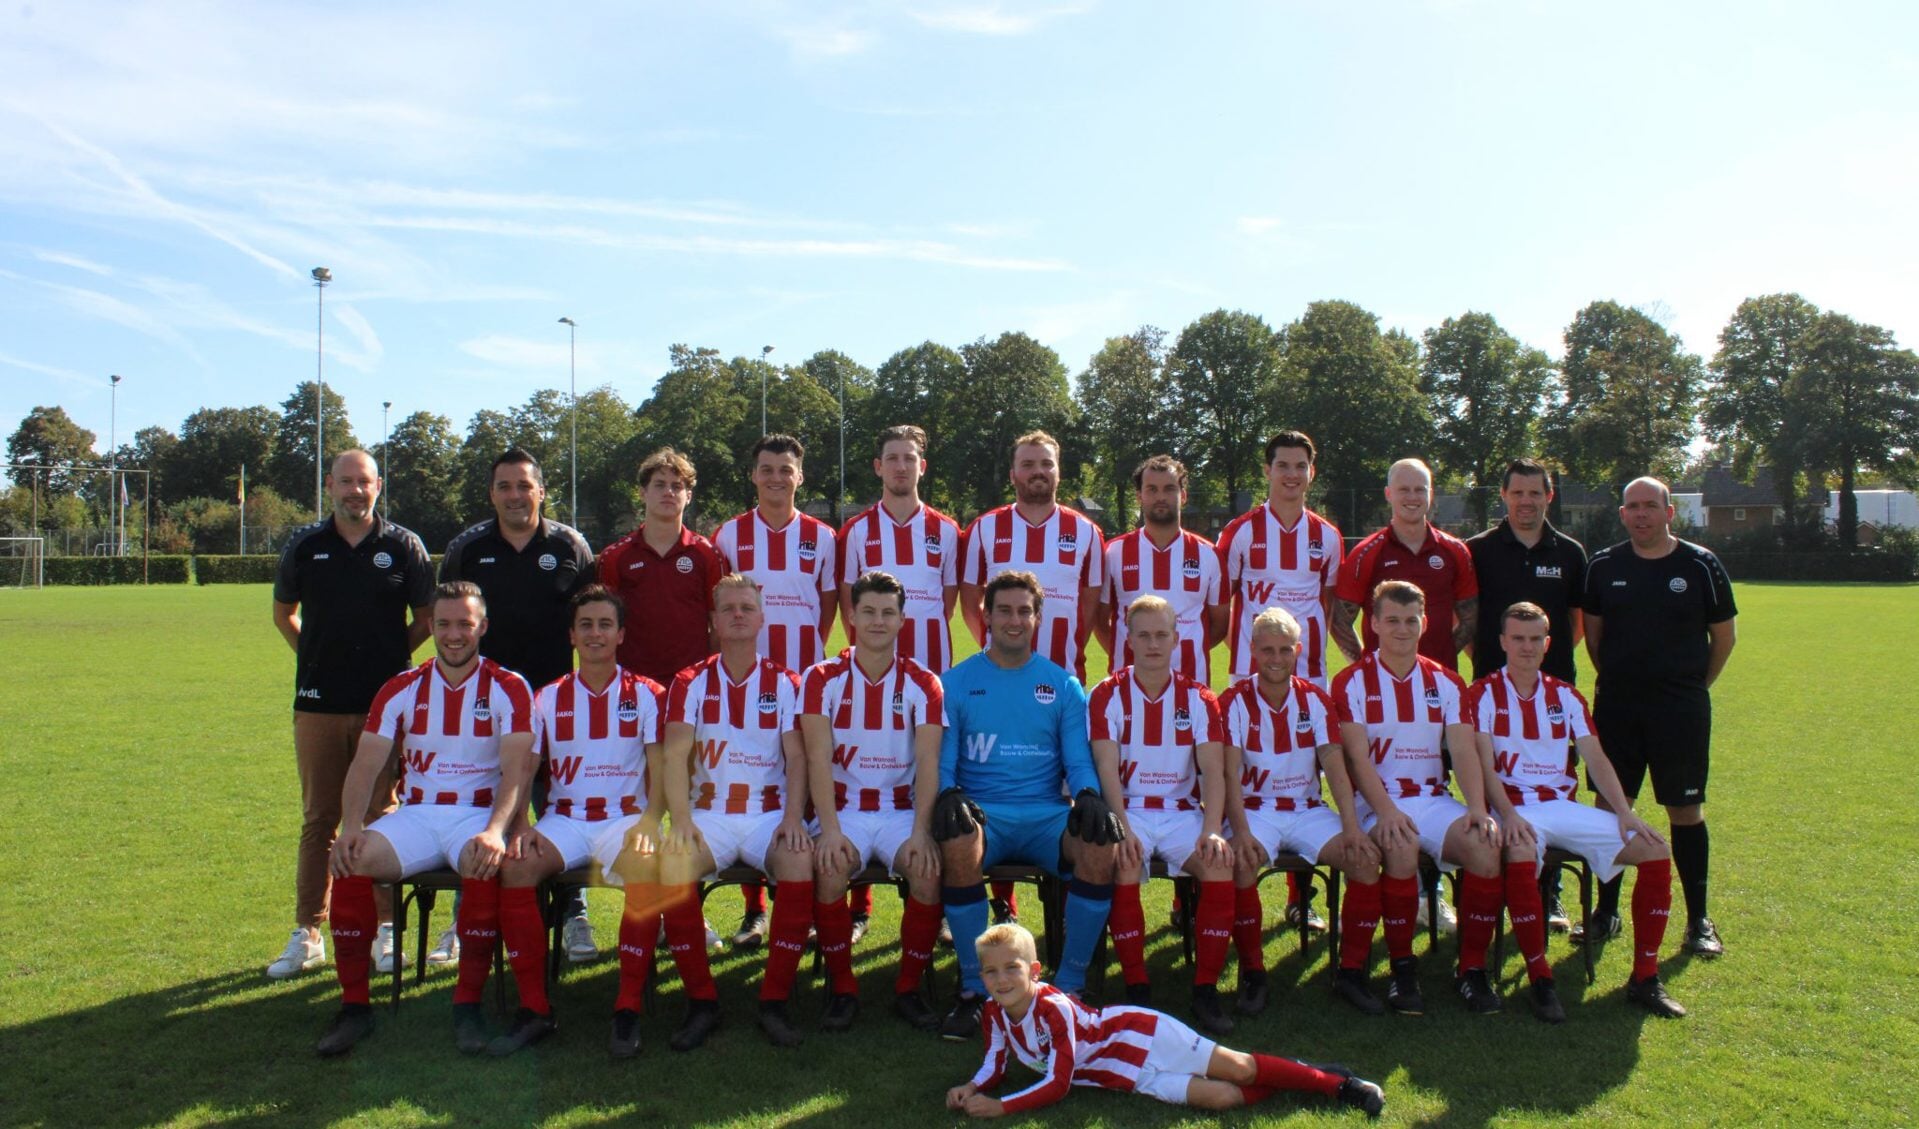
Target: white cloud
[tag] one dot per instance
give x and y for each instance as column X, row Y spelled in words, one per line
column 63, row 259
column 57, row 373
column 994, row 19
column 517, row 353
column 827, row 42
column 1258, row 225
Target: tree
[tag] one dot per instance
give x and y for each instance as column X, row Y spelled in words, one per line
column 697, row 408
column 1217, row 379
column 1013, row 385
column 1121, row 409
column 151, row 450
column 1630, row 389
column 214, row 444
column 1355, row 390
column 609, row 484
column 488, row 436
column 831, row 370
column 1853, row 402
column 796, row 405
column 49, row 438
column 1485, row 391
column 422, row 471
column 290, row 470
column 908, row 388
column 1744, row 408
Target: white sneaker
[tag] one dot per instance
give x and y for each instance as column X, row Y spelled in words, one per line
column 714, row 942
column 383, row 951
column 577, row 936
column 1448, row 920
column 446, row 950
column 304, row 953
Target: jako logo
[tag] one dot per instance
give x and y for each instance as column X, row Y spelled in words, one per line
column 711, row 752
column 564, row 769
column 979, row 746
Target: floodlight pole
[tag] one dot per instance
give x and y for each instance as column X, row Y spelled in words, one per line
column 573, row 396
column 321, row 276
column 386, row 440
column 766, row 353
column 113, row 461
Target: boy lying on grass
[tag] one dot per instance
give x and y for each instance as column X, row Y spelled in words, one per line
column 1130, row 1049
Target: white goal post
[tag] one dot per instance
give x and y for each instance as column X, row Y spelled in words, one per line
column 22, row 562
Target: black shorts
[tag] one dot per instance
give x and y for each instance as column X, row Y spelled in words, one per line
column 1662, row 730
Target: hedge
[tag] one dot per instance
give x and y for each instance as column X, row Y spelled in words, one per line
column 119, row 570
column 1871, row 565
column 234, row 569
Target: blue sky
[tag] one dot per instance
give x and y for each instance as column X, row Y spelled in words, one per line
column 866, row 176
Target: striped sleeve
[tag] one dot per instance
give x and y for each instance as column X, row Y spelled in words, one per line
column 993, row 1067
column 1057, row 1082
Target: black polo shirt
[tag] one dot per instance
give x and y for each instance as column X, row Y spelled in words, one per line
column 1551, row 573
column 1655, row 613
column 526, row 593
column 353, row 610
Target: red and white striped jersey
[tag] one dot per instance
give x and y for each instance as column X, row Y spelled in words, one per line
column 1068, row 1043
column 874, row 722
column 1405, row 720
column 595, row 743
column 1157, row 736
column 1185, row 574
column 739, row 760
column 1279, row 745
column 448, row 737
column 1532, row 737
column 922, row 553
column 1064, row 551
column 795, row 567
column 1268, row 565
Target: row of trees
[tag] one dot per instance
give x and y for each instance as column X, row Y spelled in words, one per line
column 1815, row 395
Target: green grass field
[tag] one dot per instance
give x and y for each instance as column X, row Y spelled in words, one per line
column 150, row 812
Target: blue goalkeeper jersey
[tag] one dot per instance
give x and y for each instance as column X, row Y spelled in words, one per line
column 1012, row 736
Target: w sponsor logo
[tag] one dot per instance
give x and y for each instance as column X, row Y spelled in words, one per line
column 417, row 761
column 710, row 753
column 843, row 755
column 1259, row 592
column 979, row 746
column 1126, row 770
column 1505, row 763
column 1253, row 779
column 565, row 769
column 1379, row 747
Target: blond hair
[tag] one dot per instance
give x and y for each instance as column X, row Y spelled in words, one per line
column 739, row 580
column 1012, row 935
column 1150, row 603
column 1279, row 620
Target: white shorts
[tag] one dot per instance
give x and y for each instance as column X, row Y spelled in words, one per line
column 1585, row 831
column 1172, row 835
column 877, row 835
column 425, row 836
column 738, row 838
column 1432, row 815
column 1301, row 832
column 1177, row 1055
column 578, row 840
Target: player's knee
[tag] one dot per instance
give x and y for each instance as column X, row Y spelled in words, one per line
column 1100, row 865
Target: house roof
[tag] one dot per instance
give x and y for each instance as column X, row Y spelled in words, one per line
column 1722, row 488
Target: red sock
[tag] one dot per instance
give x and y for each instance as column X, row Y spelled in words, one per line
column 523, row 930
column 1651, row 906
column 1128, row 924
column 639, row 932
column 479, row 927
column 1213, row 922
column 834, row 920
column 1248, row 922
column 686, row 939
column 919, row 931
column 1275, row 1073
column 1399, row 909
column 754, row 895
column 1479, row 904
column 1004, row 892
column 1358, row 919
column 786, row 937
column 860, row 900
column 1253, row 1095
column 354, row 922
column 1292, row 888
column 1528, row 916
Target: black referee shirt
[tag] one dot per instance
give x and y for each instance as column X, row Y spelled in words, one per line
column 526, row 593
column 1551, row 573
column 1656, row 612
column 353, row 610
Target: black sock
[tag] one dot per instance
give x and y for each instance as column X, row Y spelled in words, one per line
column 1689, row 852
column 1608, row 898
